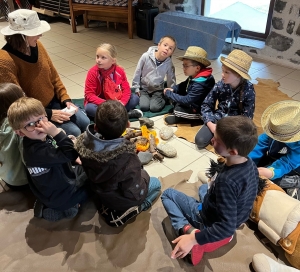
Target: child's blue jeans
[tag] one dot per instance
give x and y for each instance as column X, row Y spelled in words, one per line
column 183, row 209
column 153, row 192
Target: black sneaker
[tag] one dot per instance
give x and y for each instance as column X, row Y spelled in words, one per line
column 135, row 114
column 38, row 209
column 56, row 215
column 172, row 120
column 116, row 218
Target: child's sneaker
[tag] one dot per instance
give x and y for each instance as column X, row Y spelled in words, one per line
column 116, row 218
column 56, row 215
column 135, row 114
column 38, row 209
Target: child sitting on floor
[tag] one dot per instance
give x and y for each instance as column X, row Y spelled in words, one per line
column 208, row 224
column 107, row 81
column 234, row 93
column 278, row 149
column 123, row 189
column 152, row 68
column 48, row 153
column 189, row 95
column 12, row 169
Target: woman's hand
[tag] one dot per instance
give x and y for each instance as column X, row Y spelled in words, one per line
column 69, row 104
column 59, row 116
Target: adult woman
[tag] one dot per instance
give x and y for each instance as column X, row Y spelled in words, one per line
column 25, row 62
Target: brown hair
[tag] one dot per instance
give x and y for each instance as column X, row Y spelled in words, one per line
column 169, row 37
column 17, row 42
column 9, row 93
column 111, row 119
column 237, row 132
column 22, row 110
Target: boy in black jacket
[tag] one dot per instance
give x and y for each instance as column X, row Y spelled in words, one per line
column 48, row 153
column 189, row 94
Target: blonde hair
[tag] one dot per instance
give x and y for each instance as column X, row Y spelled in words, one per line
column 22, row 110
column 111, row 49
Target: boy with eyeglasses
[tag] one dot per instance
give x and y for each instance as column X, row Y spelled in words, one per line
column 189, row 94
column 48, row 153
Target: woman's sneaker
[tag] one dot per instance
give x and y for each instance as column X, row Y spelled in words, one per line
column 135, row 114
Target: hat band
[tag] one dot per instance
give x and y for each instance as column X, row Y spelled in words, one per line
column 285, row 135
column 236, row 66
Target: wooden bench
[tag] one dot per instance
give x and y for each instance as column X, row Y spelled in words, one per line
column 121, row 11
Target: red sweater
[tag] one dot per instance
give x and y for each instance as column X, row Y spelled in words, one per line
column 93, row 89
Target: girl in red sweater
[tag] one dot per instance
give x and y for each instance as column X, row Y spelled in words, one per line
column 107, row 81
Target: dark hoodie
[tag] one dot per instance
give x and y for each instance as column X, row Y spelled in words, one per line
column 114, row 170
column 192, row 92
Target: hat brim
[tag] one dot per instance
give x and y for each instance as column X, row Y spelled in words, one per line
column 242, row 74
column 203, row 61
column 44, row 27
column 266, row 117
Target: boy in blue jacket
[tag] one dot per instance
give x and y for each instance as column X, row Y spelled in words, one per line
column 189, row 94
column 277, row 152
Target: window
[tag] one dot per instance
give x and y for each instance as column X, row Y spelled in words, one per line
column 254, row 16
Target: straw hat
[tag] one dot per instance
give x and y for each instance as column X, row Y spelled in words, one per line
column 26, row 22
column 197, row 54
column 281, row 121
column 239, row 62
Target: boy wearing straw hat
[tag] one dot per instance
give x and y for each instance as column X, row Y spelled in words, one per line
column 277, row 153
column 234, row 93
column 189, row 94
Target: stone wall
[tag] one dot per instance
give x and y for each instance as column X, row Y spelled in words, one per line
column 188, row 6
column 283, row 42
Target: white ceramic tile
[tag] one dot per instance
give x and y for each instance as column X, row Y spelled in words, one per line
column 78, row 78
column 185, row 156
column 290, row 84
column 76, row 91
column 277, row 70
column 290, row 93
column 294, row 75
column 157, row 169
column 266, row 75
column 70, row 70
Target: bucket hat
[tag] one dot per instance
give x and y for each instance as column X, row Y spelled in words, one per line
column 197, row 54
column 281, row 121
column 238, row 61
column 26, row 22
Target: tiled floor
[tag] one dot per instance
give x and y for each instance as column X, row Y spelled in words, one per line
column 73, row 54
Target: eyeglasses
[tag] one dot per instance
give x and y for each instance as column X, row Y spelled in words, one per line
column 32, row 125
column 186, row 66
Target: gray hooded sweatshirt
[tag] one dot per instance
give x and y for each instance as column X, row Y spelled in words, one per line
column 150, row 77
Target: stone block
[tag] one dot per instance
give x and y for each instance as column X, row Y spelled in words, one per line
column 298, row 30
column 279, row 6
column 290, row 27
column 279, row 42
column 277, row 23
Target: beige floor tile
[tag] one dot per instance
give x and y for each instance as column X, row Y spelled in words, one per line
column 266, row 75
column 294, row 75
column 129, row 54
column 80, row 58
column 126, row 63
column 76, row 91
column 70, row 70
column 290, row 84
column 297, row 97
column 200, row 164
column 59, row 63
column 259, row 65
column 185, row 156
column 68, row 53
column 157, row 169
column 57, row 49
column 67, row 82
column 290, row 93
column 277, row 70
column 78, row 78
column 86, row 65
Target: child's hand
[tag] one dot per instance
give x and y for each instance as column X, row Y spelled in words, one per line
column 48, row 128
column 265, row 172
column 170, row 89
column 211, row 126
column 78, row 161
column 138, row 93
column 184, row 245
column 60, row 116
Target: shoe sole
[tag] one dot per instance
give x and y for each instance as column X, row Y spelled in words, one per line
column 135, row 208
